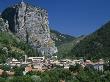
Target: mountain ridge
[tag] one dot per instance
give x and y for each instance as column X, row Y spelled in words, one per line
column 95, row 45
column 61, row 38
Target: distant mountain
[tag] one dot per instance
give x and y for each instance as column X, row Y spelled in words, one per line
column 60, row 38
column 64, row 43
column 95, row 45
column 65, row 48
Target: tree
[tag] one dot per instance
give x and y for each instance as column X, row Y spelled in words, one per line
column 6, row 67
column 75, row 68
column 31, row 73
column 4, row 74
column 18, row 71
column 21, row 79
column 35, row 78
column 2, row 79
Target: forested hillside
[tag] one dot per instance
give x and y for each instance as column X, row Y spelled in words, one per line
column 95, row 45
column 65, row 48
column 12, row 47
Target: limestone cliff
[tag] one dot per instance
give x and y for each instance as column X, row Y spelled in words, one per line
column 3, row 25
column 30, row 24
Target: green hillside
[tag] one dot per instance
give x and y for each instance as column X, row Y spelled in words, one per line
column 60, row 38
column 63, row 42
column 11, row 46
column 65, row 48
column 94, row 46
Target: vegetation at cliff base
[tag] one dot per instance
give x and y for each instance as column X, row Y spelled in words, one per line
column 13, row 47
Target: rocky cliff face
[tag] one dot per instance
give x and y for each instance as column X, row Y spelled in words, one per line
column 3, row 25
column 31, row 25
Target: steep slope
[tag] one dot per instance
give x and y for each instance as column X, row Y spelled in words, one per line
column 30, row 24
column 63, row 42
column 94, row 46
column 11, row 46
column 65, row 48
column 3, row 25
column 60, row 38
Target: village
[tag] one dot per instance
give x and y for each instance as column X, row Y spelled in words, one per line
column 42, row 64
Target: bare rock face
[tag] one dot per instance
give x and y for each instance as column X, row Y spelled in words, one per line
column 3, row 25
column 31, row 25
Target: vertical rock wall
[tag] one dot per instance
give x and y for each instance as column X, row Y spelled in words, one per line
column 31, row 25
column 3, row 25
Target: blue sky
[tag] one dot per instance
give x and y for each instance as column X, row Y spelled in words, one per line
column 74, row 17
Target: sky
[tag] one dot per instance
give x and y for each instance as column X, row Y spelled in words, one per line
column 73, row 17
